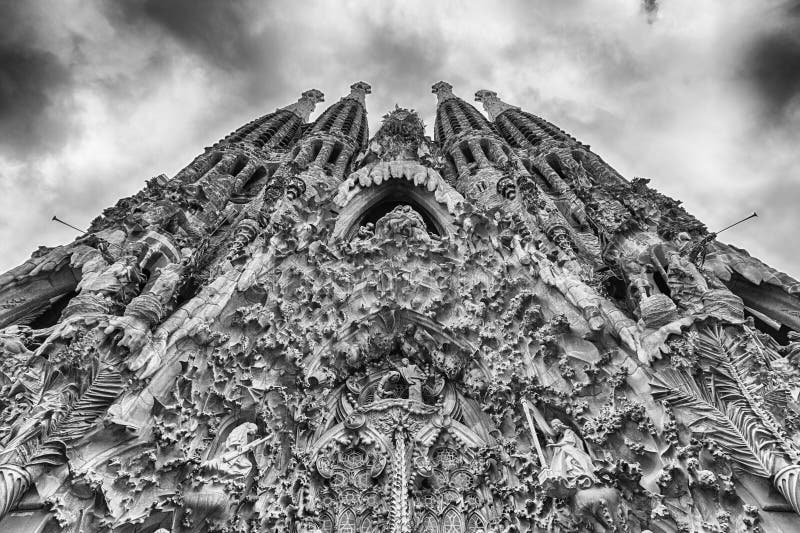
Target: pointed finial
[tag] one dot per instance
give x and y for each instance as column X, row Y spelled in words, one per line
column 306, row 103
column 443, row 91
column 359, row 91
column 493, row 105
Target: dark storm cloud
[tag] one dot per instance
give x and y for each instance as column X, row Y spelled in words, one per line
column 650, row 9
column 220, row 32
column 34, row 88
column 772, row 63
column 243, row 40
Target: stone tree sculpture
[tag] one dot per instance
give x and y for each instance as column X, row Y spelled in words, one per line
column 311, row 330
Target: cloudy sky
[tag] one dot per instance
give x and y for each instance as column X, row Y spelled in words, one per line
column 701, row 97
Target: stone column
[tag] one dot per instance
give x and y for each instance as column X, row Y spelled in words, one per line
column 324, row 153
column 477, row 153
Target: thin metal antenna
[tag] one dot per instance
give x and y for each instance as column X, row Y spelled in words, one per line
column 737, row 223
column 67, row 224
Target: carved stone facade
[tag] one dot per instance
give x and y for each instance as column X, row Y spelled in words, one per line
column 308, row 330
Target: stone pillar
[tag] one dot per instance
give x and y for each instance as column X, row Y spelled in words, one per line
column 356, row 123
column 460, row 160
column 477, row 153
column 324, row 153
column 341, row 161
column 497, row 154
column 303, row 157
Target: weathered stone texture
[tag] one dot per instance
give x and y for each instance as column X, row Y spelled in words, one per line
column 308, row 330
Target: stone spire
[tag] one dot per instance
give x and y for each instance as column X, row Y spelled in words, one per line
column 306, row 104
column 492, row 103
column 443, row 91
column 359, row 92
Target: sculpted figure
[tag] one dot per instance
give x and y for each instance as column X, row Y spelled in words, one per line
column 639, row 286
column 412, row 375
column 221, row 477
column 792, row 350
column 686, row 284
column 231, row 461
column 147, row 309
column 116, row 280
column 571, row 466
column 402, row 221
column 571, row 474
column 408, row 372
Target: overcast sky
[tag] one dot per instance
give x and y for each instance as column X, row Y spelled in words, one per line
column 701, row 97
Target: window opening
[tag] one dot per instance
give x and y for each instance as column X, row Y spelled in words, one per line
column 382, row 208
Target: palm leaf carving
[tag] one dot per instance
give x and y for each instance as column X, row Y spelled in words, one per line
column 92, row 404
column 723, row 402
column 735, row 430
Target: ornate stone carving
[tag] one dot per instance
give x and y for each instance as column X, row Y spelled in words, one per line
column 492, row 331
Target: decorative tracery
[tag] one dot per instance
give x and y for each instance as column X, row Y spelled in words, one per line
column 350, row 488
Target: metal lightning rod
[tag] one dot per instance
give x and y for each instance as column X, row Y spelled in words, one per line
column 737, row 223
column 66, row 224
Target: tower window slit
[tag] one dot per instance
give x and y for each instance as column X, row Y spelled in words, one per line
column 288, row 138
column 469, row 115
column 362, row 134
column 349, row 119
column 209, row 163
column 324, row 121
column 467, row 153
column 487, row 150
column 454, row 122
column 539, row 178
column 241, row 162
column 254, row 182
column 450, row 168
column 555, row 164
column 316, row 147
column 337, row 150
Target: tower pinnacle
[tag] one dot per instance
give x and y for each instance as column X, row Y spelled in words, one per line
column 359, row 92
column 443, row 91
column 492, row 103
column 306, row 103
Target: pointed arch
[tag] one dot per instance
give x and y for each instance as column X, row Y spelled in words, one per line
column 452, row 522
column 347, row 522
column 365, row 525
column 475, row 523
column 372, row 202
column 429, row 524
column 326, row 523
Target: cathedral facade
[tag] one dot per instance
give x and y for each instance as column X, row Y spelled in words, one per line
column 308, row 329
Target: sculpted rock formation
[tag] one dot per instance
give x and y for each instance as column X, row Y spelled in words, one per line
column 308, row 330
